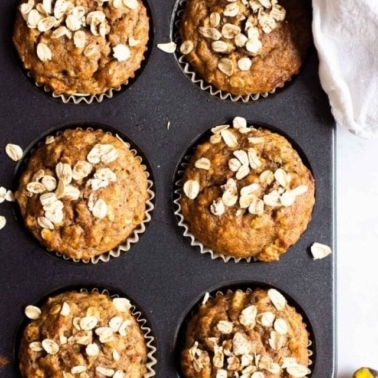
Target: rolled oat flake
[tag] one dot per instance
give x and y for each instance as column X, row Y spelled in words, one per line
column 169, row 47
column 3, row 221
column 14, row 151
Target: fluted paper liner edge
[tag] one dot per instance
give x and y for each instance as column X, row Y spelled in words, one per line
column 78, row 97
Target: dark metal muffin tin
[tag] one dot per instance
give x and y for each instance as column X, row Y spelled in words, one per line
column 162, row 272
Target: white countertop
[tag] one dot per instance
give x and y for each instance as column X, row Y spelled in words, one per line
column 357, row 253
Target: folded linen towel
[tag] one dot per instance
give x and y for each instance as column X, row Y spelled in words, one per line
column 346, row 37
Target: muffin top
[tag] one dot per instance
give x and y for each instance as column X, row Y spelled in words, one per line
column 83, row 192
column 246, row 47
column 246, row 193
column 82, row 335
column 81, row 46
column 253, row 334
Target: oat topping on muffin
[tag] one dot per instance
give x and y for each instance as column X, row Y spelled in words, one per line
column 245, row 47
column 246, row 335
column 246, row 193
column 81, row 46
column 82, row 334
column 83, row 193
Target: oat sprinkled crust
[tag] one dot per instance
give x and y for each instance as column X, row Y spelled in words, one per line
column 82, row 193
column 246, row 47
column 246, row 193
column 81, row 46
column 83, row 335
column 252, row 334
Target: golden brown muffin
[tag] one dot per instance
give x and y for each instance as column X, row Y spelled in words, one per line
column 82, row 193
column 246, row 47
column 253, row 334
column 81, row 46
column 246, row 193
column 82, row 335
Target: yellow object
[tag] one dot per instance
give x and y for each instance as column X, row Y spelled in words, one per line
column 365, row 373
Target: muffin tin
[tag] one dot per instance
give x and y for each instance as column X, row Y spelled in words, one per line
column 163, row 273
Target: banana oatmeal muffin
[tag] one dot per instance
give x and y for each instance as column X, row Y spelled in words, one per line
column 252, row 334
column 82, row 334
column 83, row 193
column 81, row 46
column 246, row 193
column 246, row 47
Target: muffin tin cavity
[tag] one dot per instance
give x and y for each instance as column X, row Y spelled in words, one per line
column 84, row 176
column 229, row 198
column 94, row 26
column 244, row 287
column 93, row 319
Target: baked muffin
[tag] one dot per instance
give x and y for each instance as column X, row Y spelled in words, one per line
column 82, row 193
column 246, row 193
column 246, row 47
column 81, row 46
column 82, row 334
column 252, row 334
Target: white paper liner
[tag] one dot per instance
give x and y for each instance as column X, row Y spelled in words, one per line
column 79, row 97
column 134, row 237
column 193, row 241
column 147, row 333
column 194, row 77
column 247, row 290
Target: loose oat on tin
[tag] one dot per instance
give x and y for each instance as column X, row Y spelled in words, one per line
column 246, row 194
column 77, row 47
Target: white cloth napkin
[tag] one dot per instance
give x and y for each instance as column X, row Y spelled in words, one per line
column 346, row 37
